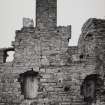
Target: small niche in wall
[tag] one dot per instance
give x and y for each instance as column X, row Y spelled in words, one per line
column 67, row 88
column 29, row 84
column 89, row 37
column 81, row 56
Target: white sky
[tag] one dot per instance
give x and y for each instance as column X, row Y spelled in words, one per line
column 74, row 12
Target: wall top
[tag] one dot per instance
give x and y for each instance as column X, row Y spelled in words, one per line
column 93, row 24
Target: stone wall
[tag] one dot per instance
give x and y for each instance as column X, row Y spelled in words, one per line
column 47, row 53
column 62, row 69
column 91, row 45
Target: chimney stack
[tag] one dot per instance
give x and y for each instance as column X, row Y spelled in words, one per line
column 46, row 14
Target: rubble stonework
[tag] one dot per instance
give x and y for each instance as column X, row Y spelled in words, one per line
column 68, row 75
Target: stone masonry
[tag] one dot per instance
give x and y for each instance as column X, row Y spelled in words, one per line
column 65, row 75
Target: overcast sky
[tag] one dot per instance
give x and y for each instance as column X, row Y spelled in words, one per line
column 74, row 12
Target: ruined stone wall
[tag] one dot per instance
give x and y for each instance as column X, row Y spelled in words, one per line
column 91, row 42
column 48, row 54
column 91, row 46
column 38, row 50
column 62, row 70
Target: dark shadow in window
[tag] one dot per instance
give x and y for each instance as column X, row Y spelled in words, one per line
column 91, row 87
column 29, row 84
